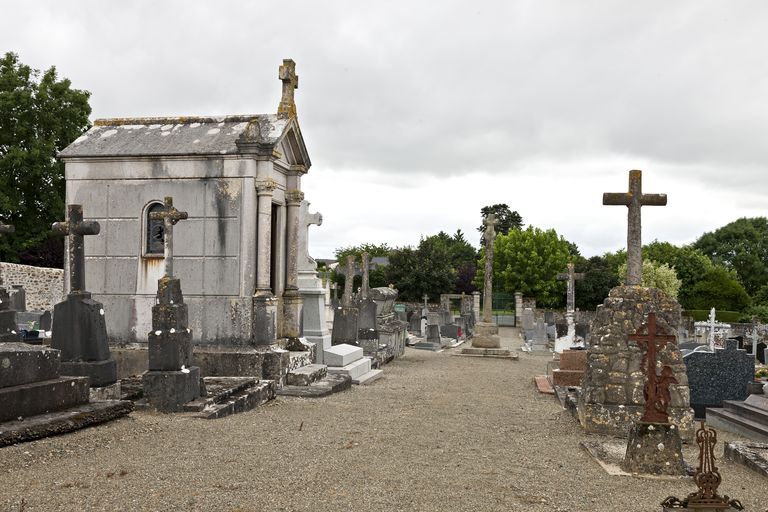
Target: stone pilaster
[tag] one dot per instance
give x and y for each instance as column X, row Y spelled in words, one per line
column 264, row 328
column 292, row 300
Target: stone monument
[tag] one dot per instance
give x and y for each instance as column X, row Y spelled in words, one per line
column 570, row 277
column 79, row 330
column 9, row 329
column 170, row 381
column 487, row 332
column 345, row 317
column 654, row 445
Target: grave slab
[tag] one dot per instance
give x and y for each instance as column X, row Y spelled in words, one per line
column 342, row 355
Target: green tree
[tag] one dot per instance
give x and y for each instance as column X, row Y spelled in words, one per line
column 528, row 261
column 463, row 258
column 376, row 276
column 719, row 289
column 742, row 246
column 656, row 275
column 507, row 219
column 690, row 264
column 600, row 275
column 40, row 115
column 426, row 269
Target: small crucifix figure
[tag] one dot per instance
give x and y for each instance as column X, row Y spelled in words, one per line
column 657, row 396
column 170, row 216
column 490, row 234
column 571, row 277
column 634, row 199
column 290, row 79
column 76, row 228
column 349, row 276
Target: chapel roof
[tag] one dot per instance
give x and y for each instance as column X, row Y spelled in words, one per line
column 170, row 136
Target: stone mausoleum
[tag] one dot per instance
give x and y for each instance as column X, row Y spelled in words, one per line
column 239, row 179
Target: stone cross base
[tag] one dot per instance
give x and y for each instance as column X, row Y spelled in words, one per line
column 486, row 335
column 614, row 420
column 168, row 391
column 654, row 449
column 264, row 320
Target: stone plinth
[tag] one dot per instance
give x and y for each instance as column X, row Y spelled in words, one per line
column 571, row 371
column 486, row 335
column 654, row 449
column 612, row 395
column 80, row 332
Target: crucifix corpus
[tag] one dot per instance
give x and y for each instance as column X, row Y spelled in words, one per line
column 170, row 216
column 657, row 395
column 76, row 228
column 634, row 199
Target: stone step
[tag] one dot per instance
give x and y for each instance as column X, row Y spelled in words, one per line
column 342, row 355
column 720, row 418
column 355, row 369
column 21, row 363
column 328, row 385
column 42, row 397
column 747, row 411
column 498, row 353
column 61, row 422
column 306, row 375
column 368, row 378
column 220, row 390
column 543, row 384
column 245, row 400
column 567, row 377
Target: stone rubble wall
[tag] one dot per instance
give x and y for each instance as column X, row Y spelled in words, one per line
column 44, row 287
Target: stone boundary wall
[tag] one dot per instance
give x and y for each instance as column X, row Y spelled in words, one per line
column 44, row 286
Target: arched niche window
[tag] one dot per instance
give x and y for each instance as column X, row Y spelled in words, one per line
column 155, row 231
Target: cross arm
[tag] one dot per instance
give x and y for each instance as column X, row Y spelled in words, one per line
column 617, row 198
column 654, row 200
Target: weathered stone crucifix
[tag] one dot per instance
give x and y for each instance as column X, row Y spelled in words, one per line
column 490, row 234
column 170, row 216
column 349, row 275
column 634, row 199
column 76, row 228
column 571, row 277
column 290, row 81
column 657, row 396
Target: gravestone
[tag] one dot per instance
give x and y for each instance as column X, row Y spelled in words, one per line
column 529, row 325
column 345, row 317
column 18, row 298
column 171, row 381
column 540, row 339
column 79, row 329
column 487, row 332
column 717, row 376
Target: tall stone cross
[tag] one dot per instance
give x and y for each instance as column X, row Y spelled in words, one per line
column 711, row 333
column 754, row 336
column 170, row 216
column 657, row 394
column 349, row 275
column 634, row 199
column 4, row 230
column 290, row 81
column 366, row 288
column 490, row 234
column 571, row 277
column 76, row 228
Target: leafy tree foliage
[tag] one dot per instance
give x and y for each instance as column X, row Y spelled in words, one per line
column 719, row 289
column 742, row 246
column 40, row 115
column 425, row 269
column 690, row 264
column 600, row 275
column 462, row 259
column 507, row 219
column 376, row 277
column 528, row 261
column 656, row 275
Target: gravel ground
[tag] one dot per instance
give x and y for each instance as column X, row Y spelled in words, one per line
column 438, row 432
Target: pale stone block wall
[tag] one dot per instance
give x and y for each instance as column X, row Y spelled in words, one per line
column 44, row 287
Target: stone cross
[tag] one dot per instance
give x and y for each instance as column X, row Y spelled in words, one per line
column 366, row 288
column 349, row 275
column 570, row 276
column 634, row 199
column 170, row 216
column 76, row 228
column 290, row 81
column 490, row 234
column 4, row 230
column 425, row 297
column 711, row 333
column 755, row 337
column 657, row 395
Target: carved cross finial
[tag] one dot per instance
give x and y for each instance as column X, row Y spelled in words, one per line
column 490, row 221
column 634, row 199
column 75, row 227
column 290, row 81
column 657, row 396
column 170, row 216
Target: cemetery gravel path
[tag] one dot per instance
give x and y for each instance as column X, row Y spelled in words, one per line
column 438, row 432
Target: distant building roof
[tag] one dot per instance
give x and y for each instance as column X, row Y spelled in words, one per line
column 155, row 136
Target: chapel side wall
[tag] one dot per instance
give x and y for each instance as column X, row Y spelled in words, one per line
column 44, row 287
column 206, row 246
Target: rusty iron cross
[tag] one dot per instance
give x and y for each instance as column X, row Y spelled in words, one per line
column 170, row 216
column 634, row 199
column 76, row 228
column 657, row 395
column 290, row 79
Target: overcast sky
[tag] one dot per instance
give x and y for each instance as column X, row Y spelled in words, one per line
column 417, row 114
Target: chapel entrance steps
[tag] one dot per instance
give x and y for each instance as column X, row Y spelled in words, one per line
column 748, row 418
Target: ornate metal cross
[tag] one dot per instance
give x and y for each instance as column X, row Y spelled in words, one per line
column 657, row 395
column 490, row 233
column 290, row 81
column 634, row 199
column 76, row 228
column 570, row 276
column 170, row 216
column 349, row 275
